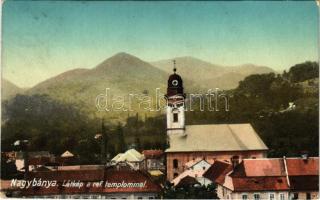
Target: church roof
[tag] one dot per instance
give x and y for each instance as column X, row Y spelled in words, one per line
column 217, row 137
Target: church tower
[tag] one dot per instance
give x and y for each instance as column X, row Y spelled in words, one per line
column 175, row 105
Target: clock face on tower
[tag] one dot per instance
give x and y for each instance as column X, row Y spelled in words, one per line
column 175, row 82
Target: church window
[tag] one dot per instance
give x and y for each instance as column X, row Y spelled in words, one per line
column 175, row 163
column 175, row 117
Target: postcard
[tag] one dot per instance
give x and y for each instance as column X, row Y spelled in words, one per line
column 160, row 99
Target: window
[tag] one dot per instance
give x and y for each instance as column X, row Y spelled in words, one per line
column 271, row 196
column 308, row 196
column 139, row 197
column 151, row 198
column 175, row 163
column 244, row 196
column 175, row 117
column 281, row 195
column 256, row 196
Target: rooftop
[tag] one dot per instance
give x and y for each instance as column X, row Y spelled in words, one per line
column 217, row 137
column 130, row 155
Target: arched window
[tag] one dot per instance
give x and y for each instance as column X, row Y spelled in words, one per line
column 175, row 163
column 175, row 117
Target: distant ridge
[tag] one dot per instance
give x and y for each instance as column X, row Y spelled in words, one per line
column 9, row 89
column 125, row 74
column 212, row 75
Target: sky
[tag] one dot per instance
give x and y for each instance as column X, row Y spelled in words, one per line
column 41, row 39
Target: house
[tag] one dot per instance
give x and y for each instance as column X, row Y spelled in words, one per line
column 154, row 159
column 303, row 177
column 108, row 183
column 36, row 159
column 227, row 142
column 266, row 178
column 194, row 169
column 132, row 157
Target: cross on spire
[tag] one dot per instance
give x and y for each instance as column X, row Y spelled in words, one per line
column 174, row 66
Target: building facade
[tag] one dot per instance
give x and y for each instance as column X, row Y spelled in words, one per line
column 267, row 178
column 209, row 142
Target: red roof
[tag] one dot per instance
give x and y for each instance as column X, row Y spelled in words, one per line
column 303, row 173
column 260, row 183
column 111, row 176
column 217, row 172
column 152, row 153
column 187, row 181
column 299, row 166
column 264, row 167
column 270, row 174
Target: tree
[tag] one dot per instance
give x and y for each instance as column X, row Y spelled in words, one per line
column 190, row 191
column 304, row 71
column 121, row 141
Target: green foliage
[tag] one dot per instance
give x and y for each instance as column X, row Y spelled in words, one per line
column 48, row 125
column 303, row 71
column 261, row 100
column 8, row 169
column 121, row 142
column 190, row 192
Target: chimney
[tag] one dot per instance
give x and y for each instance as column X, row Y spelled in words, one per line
column 234, row 161
column 304, row 156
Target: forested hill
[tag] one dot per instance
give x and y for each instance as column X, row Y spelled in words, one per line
column 262, row 100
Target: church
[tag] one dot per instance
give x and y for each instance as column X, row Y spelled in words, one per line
column 226, row 142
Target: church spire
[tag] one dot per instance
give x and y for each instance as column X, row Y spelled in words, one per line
column 174, row 66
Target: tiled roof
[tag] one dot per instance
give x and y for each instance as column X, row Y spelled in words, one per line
column 264, row 167
column 190, row 173
column 152, row 153
column 303, row 173
column 187, row 181
column 260, row 183
column 270, row 174
column 217, row 137
column 299, row 166
column 217, row 172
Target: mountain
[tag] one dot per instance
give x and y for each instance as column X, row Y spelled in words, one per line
column 126, row 75
column 9, row 89
column 209, row 75
column 123, row 73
